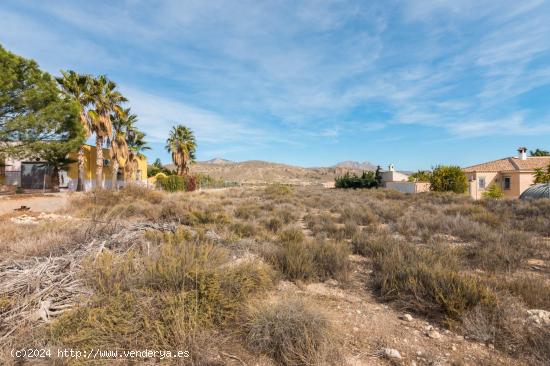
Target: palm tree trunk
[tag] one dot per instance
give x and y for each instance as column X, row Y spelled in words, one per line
column 55, row 179
column 99, row 161
column 80, row 179
column 114, row 184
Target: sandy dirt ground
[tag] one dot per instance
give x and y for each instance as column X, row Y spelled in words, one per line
column 47, row 202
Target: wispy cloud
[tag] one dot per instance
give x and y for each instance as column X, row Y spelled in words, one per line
column 297, row 74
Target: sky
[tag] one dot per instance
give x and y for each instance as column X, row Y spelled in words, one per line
column 415, row 83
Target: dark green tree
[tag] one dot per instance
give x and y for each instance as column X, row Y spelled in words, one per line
column 32, row 110
column 378, row 177
column 539, row 152
column 448, row 179
column 420, row 176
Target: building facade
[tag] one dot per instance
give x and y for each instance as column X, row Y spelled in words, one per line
column 513, row 174
column 35, row 174
column 399, row 181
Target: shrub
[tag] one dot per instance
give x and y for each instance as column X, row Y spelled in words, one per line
column 277, row 190
column 298, row 259
column 190, row 183
column 493, row 192
column 371, row 244
column 293, row 259
column 274, row 224
column 244, row 229
column 448, row 179
column 425, row 282
column 162, row 300
column 171, row 183
column 330, row 260
column 292, row 333
column 352, row 180
column 420, row 176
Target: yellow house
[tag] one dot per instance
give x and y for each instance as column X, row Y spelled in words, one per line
column 514, row 174
column 90, row 177
column 34, row 174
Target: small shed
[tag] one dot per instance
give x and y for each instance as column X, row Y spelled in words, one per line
column 536, row 191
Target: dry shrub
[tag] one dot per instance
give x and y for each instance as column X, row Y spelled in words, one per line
column 286, row 213
column 245, row 229
column 300, row 259
column 292, row 332
column 275, row 191
column 274, row 224
column 45, row 238
column 98, row 202
column 427, row 283
column 505, row 252
column 358, row 215
column 292, row 234
column 160, row 301
column 372, row 244
column 533, row 290
column 248, row 211
column 503, row 325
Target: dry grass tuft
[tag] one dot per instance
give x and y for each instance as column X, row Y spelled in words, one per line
column 300, row 259
column 292, row 332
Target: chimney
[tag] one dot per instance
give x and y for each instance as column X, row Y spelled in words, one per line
column 391, row 168
column 522, row 153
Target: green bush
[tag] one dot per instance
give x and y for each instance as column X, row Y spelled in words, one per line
column 365, row 180
column 171, row 183
column 493, row 192
column 420, row 176
column 448, row 179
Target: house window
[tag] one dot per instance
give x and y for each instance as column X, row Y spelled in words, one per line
column 482, row 183
column 507, row 182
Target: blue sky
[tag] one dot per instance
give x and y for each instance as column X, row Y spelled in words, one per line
column 415, row 83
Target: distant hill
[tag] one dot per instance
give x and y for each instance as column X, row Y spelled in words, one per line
column 217, row 161
column 262, row 172
column 355, row 165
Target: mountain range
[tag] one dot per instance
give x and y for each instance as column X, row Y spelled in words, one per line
column 261, row 172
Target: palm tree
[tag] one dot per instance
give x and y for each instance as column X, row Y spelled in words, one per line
column 541, row 175
column 107, row 101
column 122, row 124
column 136, row 145
column 182, row 145
column 77, row 87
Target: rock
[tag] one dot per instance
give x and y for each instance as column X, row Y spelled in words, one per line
column 453, row 347
column 434, row 334
column 407, row 317
column 391, row 353
column 538, row 316
column 355, row 329
column 429, row 328
column 413, row 363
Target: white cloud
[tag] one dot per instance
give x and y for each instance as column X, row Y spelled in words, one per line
column 157, row 115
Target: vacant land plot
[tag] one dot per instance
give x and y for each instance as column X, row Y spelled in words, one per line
column 281, row 276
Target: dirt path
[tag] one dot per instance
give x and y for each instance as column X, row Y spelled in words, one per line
column 48, row 202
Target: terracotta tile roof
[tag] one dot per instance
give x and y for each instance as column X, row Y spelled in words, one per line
column 510, row 164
